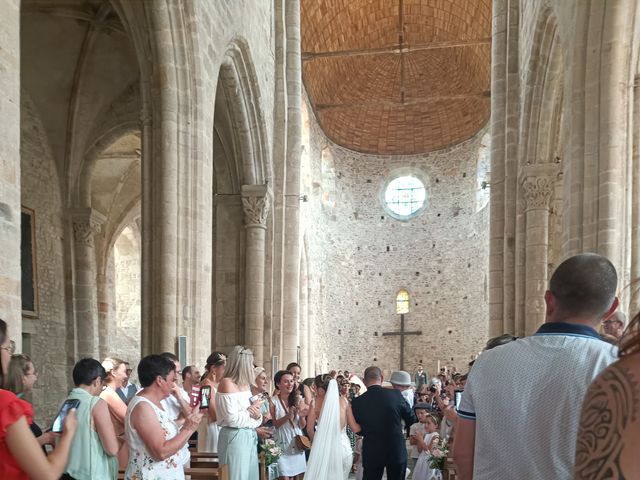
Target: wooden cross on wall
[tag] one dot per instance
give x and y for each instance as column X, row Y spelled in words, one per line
column 402, row 334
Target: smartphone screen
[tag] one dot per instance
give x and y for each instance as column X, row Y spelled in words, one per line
column 58, row 423
column 458, row 397
column 205, row 396
column 194, row 396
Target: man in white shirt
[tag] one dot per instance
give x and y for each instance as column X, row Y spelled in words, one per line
column 519, row 413
column 129, row 390
column 190, row 377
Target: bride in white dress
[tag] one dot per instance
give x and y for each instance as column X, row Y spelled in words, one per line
column 331, row 454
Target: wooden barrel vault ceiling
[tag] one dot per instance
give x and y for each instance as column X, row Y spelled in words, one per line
column 397, row 77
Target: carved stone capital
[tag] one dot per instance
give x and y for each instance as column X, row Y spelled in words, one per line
column 256, row 201
column 86, row 224
column 538, row 182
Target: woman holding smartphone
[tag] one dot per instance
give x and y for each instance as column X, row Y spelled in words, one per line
column 238, row 417
column 21, row 458
column 154, row 438
column 209, row 430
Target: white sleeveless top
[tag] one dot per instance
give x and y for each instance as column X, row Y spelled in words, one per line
column 141, row 464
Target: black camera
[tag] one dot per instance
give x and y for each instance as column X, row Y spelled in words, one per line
column 433, row 389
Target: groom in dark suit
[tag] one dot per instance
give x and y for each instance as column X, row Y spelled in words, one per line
column 380, row 412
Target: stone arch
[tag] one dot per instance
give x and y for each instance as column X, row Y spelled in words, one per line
column 540, row 129
column 121, row 118
column 108, row 138
column 543, row 88
column 240, row 88
column 240, row 157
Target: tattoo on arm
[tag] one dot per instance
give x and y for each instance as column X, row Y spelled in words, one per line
column 610, row 407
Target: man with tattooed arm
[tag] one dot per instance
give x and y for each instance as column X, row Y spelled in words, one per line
column 609, row 434
column 519, row 413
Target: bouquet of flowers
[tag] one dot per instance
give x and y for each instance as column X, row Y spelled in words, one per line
column 438, row 455
column 271, row 451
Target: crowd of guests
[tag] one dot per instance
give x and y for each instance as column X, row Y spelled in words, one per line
column 526, row 408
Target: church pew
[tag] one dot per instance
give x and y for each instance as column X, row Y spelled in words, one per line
column 203, row 455
column 204, row 463
column 220, row 472
column 449, row 471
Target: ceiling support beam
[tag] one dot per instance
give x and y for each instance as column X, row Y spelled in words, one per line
column 395, row 49
column 407, row 102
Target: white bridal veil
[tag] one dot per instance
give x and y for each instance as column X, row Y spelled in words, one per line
column 325, row 461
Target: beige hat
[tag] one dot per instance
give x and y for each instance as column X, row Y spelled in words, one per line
column 401, row 378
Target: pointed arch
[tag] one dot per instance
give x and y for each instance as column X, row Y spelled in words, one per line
column 240, row 87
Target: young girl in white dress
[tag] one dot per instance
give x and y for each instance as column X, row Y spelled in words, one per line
column 425, row 446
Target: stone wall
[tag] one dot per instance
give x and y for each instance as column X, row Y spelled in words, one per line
column 46, row 332
column 126, row 259
column 360, row 257
column 10, row 299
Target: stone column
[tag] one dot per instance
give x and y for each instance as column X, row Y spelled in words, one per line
column 146, row 288
column 255, row 203
column 497, row 199
column 104, row 317
column 86, row 224
column 537, row 187
column 291, row 282
column 10, row 216
column 634, row 301
column 303, row 334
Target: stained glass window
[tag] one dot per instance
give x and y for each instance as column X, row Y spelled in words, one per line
column 402, row 302
column 405, row 195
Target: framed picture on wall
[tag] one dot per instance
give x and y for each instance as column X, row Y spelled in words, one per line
column 28, row 263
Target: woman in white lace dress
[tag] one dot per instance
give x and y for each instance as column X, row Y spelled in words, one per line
column 153, row 437
column 331, row 454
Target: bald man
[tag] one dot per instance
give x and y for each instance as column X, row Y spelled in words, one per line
column 614, row 325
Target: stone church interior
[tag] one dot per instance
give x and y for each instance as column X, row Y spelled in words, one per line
column 332, row 183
